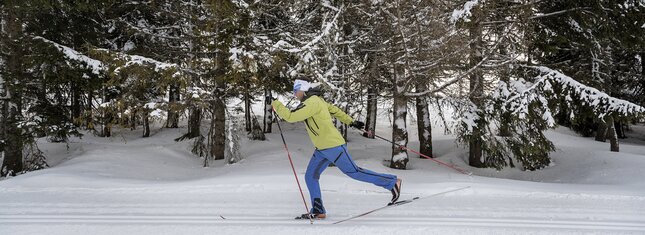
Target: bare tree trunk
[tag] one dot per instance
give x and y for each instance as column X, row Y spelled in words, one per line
column 12, row 144
column 343, row 127
column 611, row 134
column 209, row 145
column 476, row 89
column 475, row 150
column 345, row 107
column 13, row 147
column 219, row 129
column 4, row 114
column 370, row 121
column 424, row 126
column 89, row 113
column 106, row 130
column 217, row 133
column 76, row 104
column 372, row 97
column 504, row 71
column 601, row 131
column 256, row 129
column 620, row 129
column 133, row 120
column 233, row 154
column 247, row 108
column 173, row 115
column 146, row 123
column 399, row 126
column 194, row 122
column 12, row 161
column 505, row 117
column 643, row 67
column 504, row 128
column 268, row 113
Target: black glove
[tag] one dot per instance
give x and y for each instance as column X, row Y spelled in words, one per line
column 357, row 124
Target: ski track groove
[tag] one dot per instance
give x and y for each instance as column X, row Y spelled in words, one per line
column 604, row 225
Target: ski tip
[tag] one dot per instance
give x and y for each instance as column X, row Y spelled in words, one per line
column 415, row 198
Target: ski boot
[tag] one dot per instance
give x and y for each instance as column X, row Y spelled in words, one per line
column 312, row 216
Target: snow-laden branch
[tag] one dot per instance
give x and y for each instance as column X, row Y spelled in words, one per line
column 306, row 52
column 464, row 12
column 4, row 95
column 95, row 65
column 140, row 60
column 325, row 31
column 137, row 60
column 98, row 67
column 242, row 60
column 241, row 4
column 326, row 3
column 593, row 97
column 457, row 78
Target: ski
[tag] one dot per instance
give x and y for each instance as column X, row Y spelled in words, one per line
column 398, row 203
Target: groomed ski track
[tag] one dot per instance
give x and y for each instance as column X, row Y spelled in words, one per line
column 258, row 220
column 471, row 210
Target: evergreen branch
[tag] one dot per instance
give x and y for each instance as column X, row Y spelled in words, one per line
column 593, row 97
column 535, row 16
column 96, row 65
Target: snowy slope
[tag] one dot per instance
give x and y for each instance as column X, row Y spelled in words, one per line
column 129, row 185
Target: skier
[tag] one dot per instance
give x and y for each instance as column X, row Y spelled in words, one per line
column 330, row 145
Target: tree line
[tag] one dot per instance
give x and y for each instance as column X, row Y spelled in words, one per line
column 498, row 73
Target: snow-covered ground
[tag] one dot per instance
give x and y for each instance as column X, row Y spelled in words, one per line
column 129, row 185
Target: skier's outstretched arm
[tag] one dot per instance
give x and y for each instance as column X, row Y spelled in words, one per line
column 339, row 114
column 305, row 111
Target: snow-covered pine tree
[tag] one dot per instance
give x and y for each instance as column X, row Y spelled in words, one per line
column 320, row 45
column 154, row 30
column 268, row 30
column 197, row 36
column 476, row 85
column 221, row 25
column 597, row 47
column 496, row 31
column 249, row 55
column 428, row 46
column 413, row 42
column 12, row 71
column 385, row 48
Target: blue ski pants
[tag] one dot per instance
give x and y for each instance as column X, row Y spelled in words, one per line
column 341, row 158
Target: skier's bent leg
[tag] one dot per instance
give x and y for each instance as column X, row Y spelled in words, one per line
column 316, row 166
column 346, row 164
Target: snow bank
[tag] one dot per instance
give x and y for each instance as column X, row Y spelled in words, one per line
column 132, row 185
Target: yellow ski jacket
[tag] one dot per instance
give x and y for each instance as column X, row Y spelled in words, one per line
column 317, row 116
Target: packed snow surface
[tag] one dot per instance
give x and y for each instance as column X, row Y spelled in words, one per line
column 132, row 185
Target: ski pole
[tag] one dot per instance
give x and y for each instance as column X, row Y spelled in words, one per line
column 293, row 168
column 369, row 133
